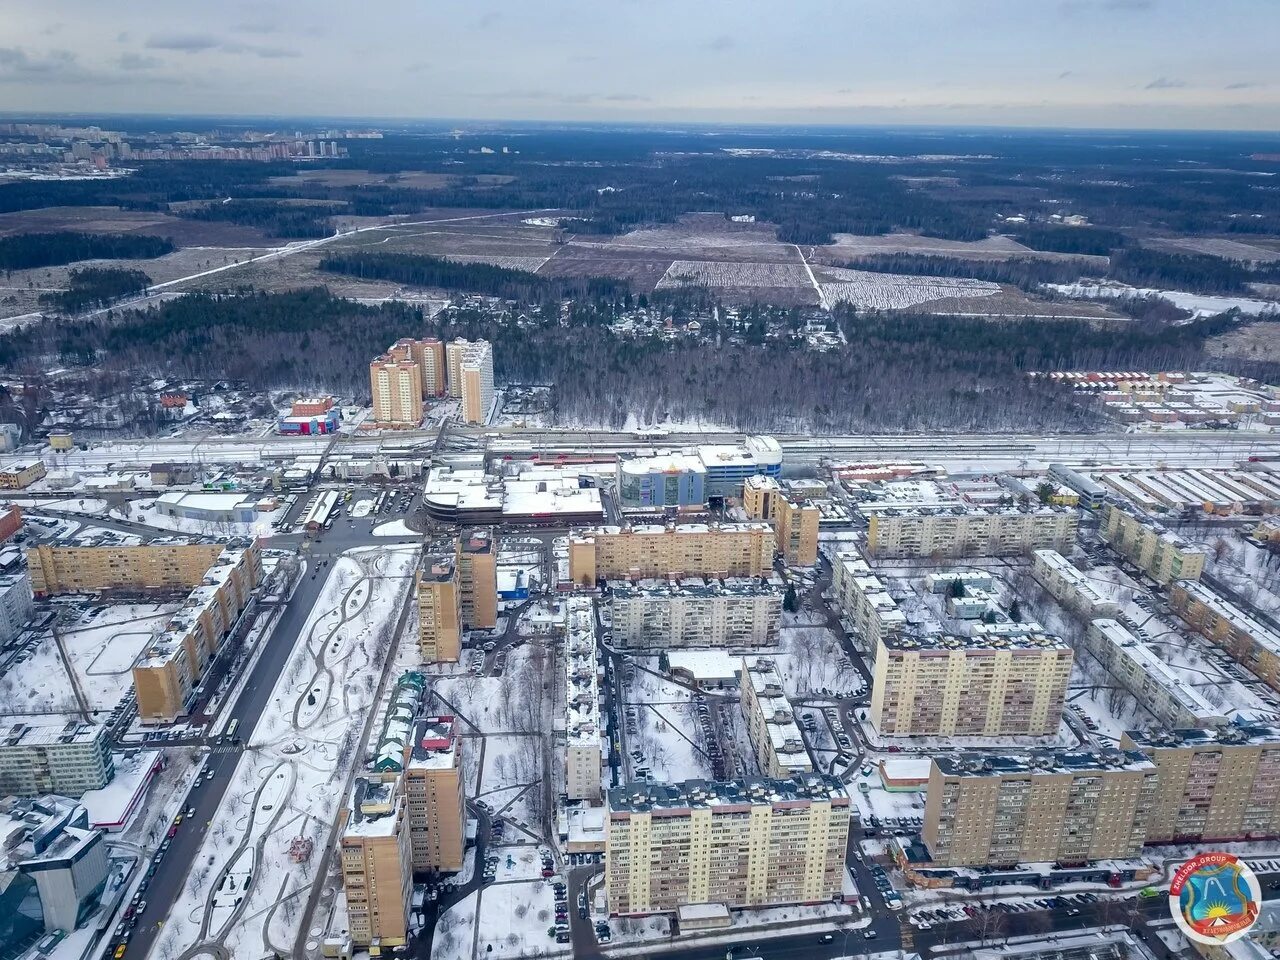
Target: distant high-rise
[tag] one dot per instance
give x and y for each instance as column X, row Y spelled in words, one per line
column 477, row 382
column 397, row 391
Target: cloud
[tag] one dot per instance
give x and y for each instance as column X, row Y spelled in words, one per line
column 137, row 61
column 1165, row 83
column 720, row 44
column 1073, row 7
column 273, row 53
column 1064, row 74
column 17, row 64
column 256, row 26
column 628, row 98
column 1246, row 85
column 185, row 42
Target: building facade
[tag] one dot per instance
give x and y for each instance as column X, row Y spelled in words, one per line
column 21, row 474
column 56, row 569
column 728, row 467
column 671, row 550
column 475, row 366
column 961, row 531
column 1070, row 586
column 64, row 758
column 674, row 480
column 940, row 685
column 377, row 864
column 1218, row 785
column 583, row 729
column 743, row 843
column 478, row 578
column 396, row 386
column 795, row 523
column 439, row 609
column 864, row 601
column 771, row 723
column 1064, row 808
column 1242, row 636
column 16, row 605
column 734, row 613
column 1161, row 555
column 433, row 782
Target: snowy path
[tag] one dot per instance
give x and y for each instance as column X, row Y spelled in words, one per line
column 822, row 297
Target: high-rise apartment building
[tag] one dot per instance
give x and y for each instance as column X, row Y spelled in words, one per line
column 51, row 755
column 478, row 579
column 377, row 864
column 1162, row 555
column 734, row 613
column 674, row 550
column 1065, row 808
column 1216, row 785
column 439, row 609
column 396, row 386
column 941, row 685
column 475, row 367
column 795, row 523
column 583, row 729
column 433, row 781
column 16, row 605
column 742, row 843
column 1244, row 638
column 771, row 723
column 958, row 531
column 55, row 569
column 428, row 354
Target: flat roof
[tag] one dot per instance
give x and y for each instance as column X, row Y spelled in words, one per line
column 649, row 797
column 1115, row 633
column 699, row 587
column 1237, row 733
column 658, row 530
column 1041, row 763
column 48, row 732
column 993, row 641
column 1224, row 608
column 582, row 686
column 434, row 743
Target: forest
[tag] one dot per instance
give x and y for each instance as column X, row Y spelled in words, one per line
column 96, row 287
column 26, row 250
column 901, row 372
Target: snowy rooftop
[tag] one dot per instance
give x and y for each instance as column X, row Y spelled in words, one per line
column 434, row 744
column 374, row 808
column 201, row 598
column 646, row 797
column 663, row 463
column 39, row 731
column 1237, row 733
column 1040, row 762
column 960, row 510
column 1080, row 583
column 1245, row 622
column 700, row 587
column 994, row 641
column 784, row 735
column 704, row 665
column 49, row 827
column 438, row 567
column 659, row 529
column 582, row 688
column 203, row 501
column 1172, row 683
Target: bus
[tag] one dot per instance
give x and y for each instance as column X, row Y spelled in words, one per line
column 230, row 735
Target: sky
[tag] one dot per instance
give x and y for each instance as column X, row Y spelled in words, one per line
column 1170, row 64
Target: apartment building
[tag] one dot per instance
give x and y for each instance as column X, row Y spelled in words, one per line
column 169, row 566
column 21, row 474
column 1242, row 636
column 583, row 729
column 795, row 523
column 46, row 755
column 1046, row 806
column 983, row 685
column 439, row 609
column 478, row 579
column 454, row 351
column 771, row 723
column 1220, row 784
column 863, row 599
column 734, row 612
column 16, row 605
column 1160, row 554
column 1070, row 586
column 428, row 354
column 1157, row 687
column 671, row 550
column 475, row 367
column 169, row 669
column 742, row 843
column 377, row 864
column 433, row 780
column 10, row 521
column 396, row 386
column 958, row 531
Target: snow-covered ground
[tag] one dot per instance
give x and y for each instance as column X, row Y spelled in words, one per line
column 103, row 647
column 893, row 291
column 709, row 273
column 513, row 920
column 1200, row 305
column 144, row 511
column 393, row 528
column 287, row 782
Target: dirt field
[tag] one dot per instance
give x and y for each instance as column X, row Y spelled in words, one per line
column 1257, row 341
column 185, row 233
column 993, row 248
column 1217, row 247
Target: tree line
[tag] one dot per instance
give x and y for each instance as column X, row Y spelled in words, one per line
column 96, row 287
column 25, row 251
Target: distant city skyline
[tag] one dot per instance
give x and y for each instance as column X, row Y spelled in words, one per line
column 1164, row 64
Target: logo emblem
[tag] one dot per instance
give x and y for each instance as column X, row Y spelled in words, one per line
column 1214, row 898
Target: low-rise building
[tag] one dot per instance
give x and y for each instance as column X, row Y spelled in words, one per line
column 1244, row 638
column 583, row 730
column 771, row 723
column 741, row 843
column 377, row 864
column 962, row 530
column 1066, row 808
column 734, row 612
column 795, row 522
column 20, row 474
column 52, row 755
column 439, row 609
column 1071, row 586
column 1171, row 700
column 941, row 685
column 1160, row 554
column 1219, row 785
column 670, row 480
column 209, row 508
column 10, row 522
column 670, row 550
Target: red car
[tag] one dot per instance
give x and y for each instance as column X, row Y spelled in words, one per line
column 173, row 831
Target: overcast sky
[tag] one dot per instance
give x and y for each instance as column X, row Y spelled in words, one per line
column 1117, row 63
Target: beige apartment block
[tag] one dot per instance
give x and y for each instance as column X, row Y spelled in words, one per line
column 1044, row 807
column 56, row 569
column 735, row 612
column 1216, row 785
column 960, row 531
column 771, row 723
column 433, row 780
column 439, row 609
column 1162, row 555
column 863, row 598
column 478, row 578
column 1070, row 586
column 455, row 351
column 396, row 386
column 795, row 523
column 742, row 843
column 671, row 550
column 475, row 366
column 1243, row 637
column 377, row 864
column 582, row 726
column 428, row 354
column 939, row 685
column 21, row 474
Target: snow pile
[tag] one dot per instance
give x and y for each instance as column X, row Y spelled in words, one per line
column 893, row 291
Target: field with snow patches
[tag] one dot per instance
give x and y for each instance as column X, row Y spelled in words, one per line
column 710, row 273
column 527, row 264
column 894, row 291
column 513, row 921
column 39, row 684
column 285, row 785
column 103, row 648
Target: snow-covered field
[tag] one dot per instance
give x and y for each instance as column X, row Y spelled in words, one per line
column 299, row 756
column 103, row 648
column 710, row 273
column 513, row 919
column 144, row 511
column 1200, row 305
column 893, row 291
column 527, row 264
